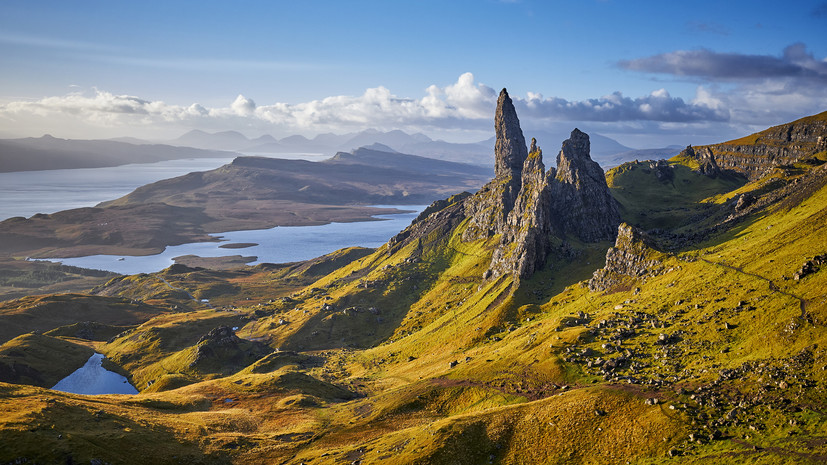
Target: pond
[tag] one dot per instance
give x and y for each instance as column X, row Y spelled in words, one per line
column 92, row 378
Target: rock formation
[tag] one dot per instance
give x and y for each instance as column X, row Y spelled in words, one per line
column 525, row 205
column 580, row 200
column 489, row 208
column 571, row 200
column 525, row 240
column 509, row 149
column 222, row 350
column 663, row 170
column 629, row 259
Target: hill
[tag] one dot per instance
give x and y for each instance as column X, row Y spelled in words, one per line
column 546, row 318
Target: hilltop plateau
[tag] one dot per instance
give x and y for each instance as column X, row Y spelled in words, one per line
column 669, row 311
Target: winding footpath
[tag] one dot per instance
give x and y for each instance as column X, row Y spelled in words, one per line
column 802, row 303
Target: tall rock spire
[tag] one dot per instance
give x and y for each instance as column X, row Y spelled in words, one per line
column 581, row 203
column 489, row 209
column 510, row 151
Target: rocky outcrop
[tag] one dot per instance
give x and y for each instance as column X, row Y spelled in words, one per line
column 580, row 200
column 221, row 351
column 663, row 170
column 525, row 241
column 525, row 204
column 571, row 200
column 810, row 266
column 628, row 260
column 756, row 155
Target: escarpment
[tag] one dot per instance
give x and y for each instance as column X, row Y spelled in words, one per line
column 755, row 155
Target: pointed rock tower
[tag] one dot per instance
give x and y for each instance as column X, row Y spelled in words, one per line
column 580, row 200
column 527, row 206
column 489, row 208
column 509, row 150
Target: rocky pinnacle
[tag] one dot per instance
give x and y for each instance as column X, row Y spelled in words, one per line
column 510, row 150
column 580, row 200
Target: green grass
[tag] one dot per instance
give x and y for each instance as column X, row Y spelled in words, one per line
column 649, row 203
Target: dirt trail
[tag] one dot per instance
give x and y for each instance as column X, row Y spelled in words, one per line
column 802, row 303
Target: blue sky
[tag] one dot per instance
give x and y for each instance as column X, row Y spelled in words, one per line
column 647, row 73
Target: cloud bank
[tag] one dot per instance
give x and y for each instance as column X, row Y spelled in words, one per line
column 464, row 104
column 735, row 94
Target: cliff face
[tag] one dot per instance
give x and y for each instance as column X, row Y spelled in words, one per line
column 755, row 155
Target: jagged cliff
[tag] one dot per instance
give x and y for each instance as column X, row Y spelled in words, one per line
column 755, row 155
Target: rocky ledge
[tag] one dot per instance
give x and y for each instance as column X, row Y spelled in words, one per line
column 756, row 155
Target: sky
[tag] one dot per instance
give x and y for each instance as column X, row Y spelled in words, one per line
column 646, row 73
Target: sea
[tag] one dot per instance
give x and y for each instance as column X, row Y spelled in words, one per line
column 30, row 192
column 25, row 193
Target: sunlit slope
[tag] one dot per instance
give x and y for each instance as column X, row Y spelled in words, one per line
column 666, row 202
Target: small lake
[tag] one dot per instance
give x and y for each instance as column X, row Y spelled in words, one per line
column 92, row 378
column 25, row 193
column 282, row 244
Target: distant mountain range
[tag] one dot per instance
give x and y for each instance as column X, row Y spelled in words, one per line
column 47, row 152
column 51, row 153
column 606, row 151
column 481, row 153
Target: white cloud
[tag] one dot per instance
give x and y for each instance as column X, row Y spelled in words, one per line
column 242, row 106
